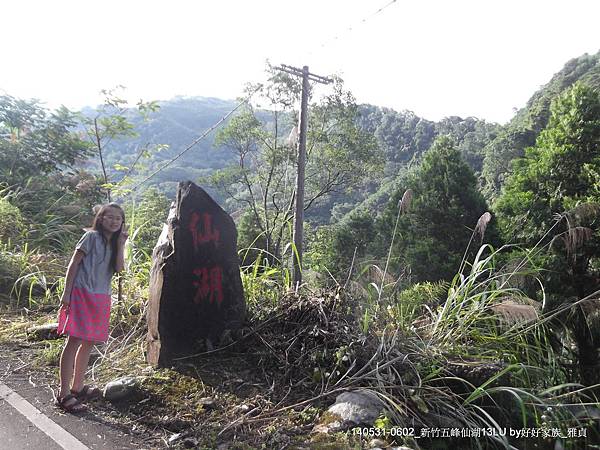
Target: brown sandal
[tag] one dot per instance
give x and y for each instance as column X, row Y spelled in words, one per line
column 87, row 393
column 70, row 403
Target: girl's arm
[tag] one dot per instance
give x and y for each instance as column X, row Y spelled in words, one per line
column 71, row 274
column 120, row 262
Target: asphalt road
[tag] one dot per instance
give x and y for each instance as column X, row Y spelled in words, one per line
column 17, row 432
column 30, row 420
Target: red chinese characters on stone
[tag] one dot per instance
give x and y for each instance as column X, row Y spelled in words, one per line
column 207, row 280
column 209, row 284
column 201, row 229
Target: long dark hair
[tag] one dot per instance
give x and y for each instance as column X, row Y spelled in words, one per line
column 114, row 239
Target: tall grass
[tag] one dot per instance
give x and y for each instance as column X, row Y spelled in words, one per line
column 264, row 283
column 447, row 350
column 53, row 218
column 31, row 276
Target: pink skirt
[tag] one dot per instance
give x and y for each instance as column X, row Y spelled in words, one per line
column 87, row 317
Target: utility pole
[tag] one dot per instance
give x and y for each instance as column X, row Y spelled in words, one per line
column 299, row 213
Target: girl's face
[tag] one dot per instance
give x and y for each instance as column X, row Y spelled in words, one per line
column 111, row 220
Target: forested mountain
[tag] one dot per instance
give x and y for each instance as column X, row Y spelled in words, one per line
column 402, row 137
column 522, row 131
column 175, row 125
column 488, row 148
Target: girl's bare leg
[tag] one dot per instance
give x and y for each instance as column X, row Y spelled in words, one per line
column 67, row 363
column 81, row 362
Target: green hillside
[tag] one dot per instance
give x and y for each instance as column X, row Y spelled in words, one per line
column 177, row 124
column 522, row 131
column 488, row 148
column 403, row 137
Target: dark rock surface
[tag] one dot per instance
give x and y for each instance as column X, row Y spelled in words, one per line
column 196, row 292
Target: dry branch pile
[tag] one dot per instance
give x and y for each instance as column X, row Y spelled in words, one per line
column 307, row 341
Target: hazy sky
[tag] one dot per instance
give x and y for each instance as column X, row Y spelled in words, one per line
column 437, row 58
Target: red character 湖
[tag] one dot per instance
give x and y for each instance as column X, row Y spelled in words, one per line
column 209, row 284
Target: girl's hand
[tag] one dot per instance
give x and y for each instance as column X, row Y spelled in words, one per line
column 63, row 307
column 65, row 301
column 122, row 237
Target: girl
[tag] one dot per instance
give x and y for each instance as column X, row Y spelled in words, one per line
column 85, row 310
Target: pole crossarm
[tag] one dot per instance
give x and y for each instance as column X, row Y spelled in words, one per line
column 300, row 73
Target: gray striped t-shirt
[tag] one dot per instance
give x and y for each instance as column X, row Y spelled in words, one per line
column 95, row 273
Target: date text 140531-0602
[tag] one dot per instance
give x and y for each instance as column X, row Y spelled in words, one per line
column 435, row 432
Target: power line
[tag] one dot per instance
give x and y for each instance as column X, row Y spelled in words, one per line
column 351, row 28
column 206, row 133
column 290, row 69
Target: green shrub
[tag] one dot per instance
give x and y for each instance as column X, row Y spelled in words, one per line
column 409, row 304
column 9, row 272
column 30, row 276
column 12, row 226
column 337, row 248
column 146, row 218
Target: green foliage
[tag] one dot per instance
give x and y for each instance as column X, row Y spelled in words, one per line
column 264, row 285
column 12, row 224
column 105, row 127
column 551, row 201
column 34, row 141
column 403, row 136
column 524, row 128
column 55, row 208
column 29, row 276
column 555, row 179
column 145, row 219
column 339, row 154
column 410, row 303
column 446, row 207
column 38, row 152
column 178, row 123
column 555, row 174
column 472, row 136
column 499, row 154
column 445, row 347
column 336, row 247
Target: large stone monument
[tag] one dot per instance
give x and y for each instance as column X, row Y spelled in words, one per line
column 195, row 286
